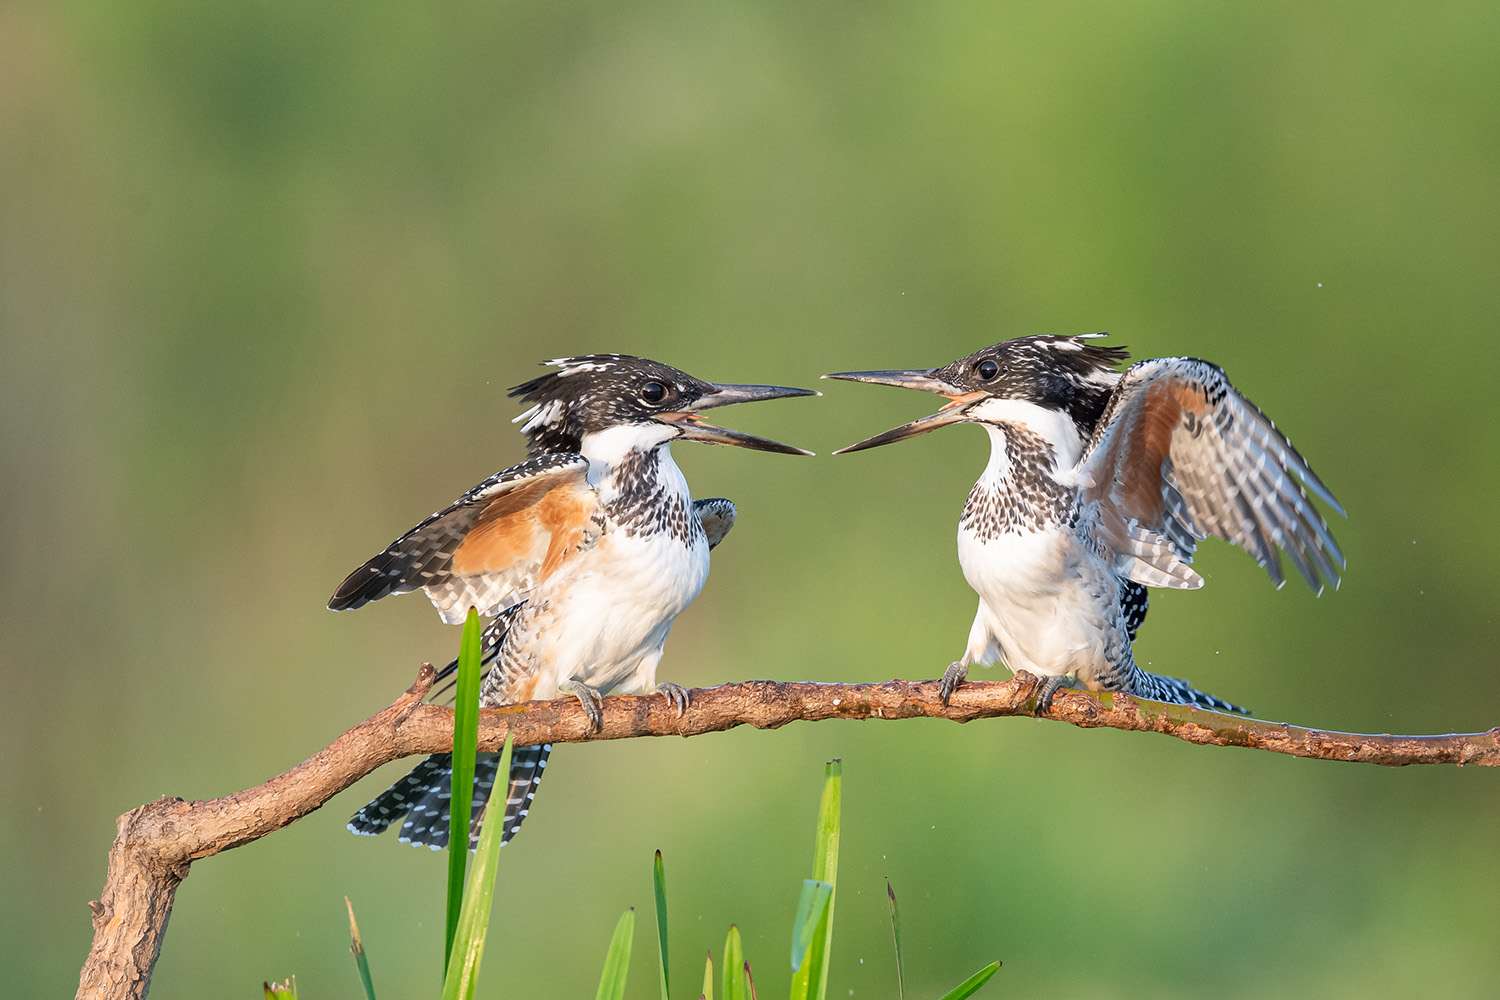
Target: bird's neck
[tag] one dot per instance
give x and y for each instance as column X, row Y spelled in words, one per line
column 641, row 476
column 633, row 470
column 1026, row 485
column 1055, row 429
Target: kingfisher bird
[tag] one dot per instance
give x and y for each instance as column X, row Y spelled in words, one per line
column 1100, row 484
column 583, row 555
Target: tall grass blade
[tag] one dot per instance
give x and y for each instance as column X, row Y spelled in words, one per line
column 810, row 982
column 357, row 949
column 750, row 983
column 465, row 736
column 811, row 906
column 970, row 986
column 474, row 918
column 708, row 978
column 896, row 935
column 659, row 883
column 731, row 982
column 617, row 959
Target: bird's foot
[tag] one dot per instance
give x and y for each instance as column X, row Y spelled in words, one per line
column 678, row 697
column 952, row 678
column 589, row 698
column 1050, row 686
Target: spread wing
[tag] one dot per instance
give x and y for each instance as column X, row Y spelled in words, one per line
column 716, row 515
column 491, row 545
column 1180, row 455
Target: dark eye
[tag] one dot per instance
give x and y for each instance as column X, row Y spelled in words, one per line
column 653, row 392
column 987, row 370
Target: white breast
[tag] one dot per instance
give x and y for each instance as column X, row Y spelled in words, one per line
column 609, row 612
column 1042, row 601
column 611, row 617
column 1046, row 603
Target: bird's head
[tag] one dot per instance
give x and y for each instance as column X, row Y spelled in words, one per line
column 637, row 402
column 1063, row 374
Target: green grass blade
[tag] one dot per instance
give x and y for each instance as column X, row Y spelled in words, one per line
column 357, row 948
column 750, row 983
column 284, row 990
column 811, row 981
column 465, row 736
column 811, row 906
column 890, row 893
column 617, row 959
column 731, row 981
column 708, row 978
column 970, row 986
column 474, row 919
column 659, row 883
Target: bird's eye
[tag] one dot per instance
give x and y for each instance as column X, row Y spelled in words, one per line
column 653, row 392
column 987, row 370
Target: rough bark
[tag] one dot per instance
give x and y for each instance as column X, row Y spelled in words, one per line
column 157, row 842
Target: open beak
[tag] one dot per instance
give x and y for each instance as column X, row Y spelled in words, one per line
column 953, row 412
column 692, row 427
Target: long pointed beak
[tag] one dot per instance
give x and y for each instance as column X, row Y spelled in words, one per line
column 727, row 393
column 692, row 427
column 902, row 378
column 953, row 412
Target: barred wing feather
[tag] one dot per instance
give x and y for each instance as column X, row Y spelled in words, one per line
column 491, row 545
column 1180, row 455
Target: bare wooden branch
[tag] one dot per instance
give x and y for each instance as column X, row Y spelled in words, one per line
column 156, row 843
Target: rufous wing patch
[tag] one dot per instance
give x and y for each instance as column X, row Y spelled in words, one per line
column 537, row 523
column 505, row 535
column 564, row 515
column 1150, row 446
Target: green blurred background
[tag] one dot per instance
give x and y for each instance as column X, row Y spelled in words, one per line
column 267, row 268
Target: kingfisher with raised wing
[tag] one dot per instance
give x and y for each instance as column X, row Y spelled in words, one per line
column 584, row 555
column 1100, row 484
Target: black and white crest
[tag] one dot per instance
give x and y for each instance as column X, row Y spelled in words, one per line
column 595, row 391
column 1058, row 372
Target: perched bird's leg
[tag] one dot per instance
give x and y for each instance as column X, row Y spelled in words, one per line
column 954, row 676
column 677, row 696
column 1050, row 686
column 589, row 698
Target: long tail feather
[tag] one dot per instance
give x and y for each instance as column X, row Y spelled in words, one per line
column 1177, row 691
column 422, row 798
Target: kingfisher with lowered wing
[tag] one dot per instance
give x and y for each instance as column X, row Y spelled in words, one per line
column 1101, row 484
column 584, row 554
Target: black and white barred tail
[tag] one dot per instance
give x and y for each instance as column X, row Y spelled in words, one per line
column 1176, row 691
column 423, row 796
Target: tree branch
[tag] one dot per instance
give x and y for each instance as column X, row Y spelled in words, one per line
column 157, row 842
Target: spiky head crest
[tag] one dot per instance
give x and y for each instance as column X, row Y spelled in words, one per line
column 593, row 392
column 1066, row 373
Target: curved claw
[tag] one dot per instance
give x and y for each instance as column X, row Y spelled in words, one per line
column 589, row 698
column 678, row 697
column 1050, row 686
column 953, row 677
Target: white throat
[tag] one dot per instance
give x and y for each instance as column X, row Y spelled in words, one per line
column 999, row 465
column 608, row 448
column 1052, row 426
column 625, row 448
